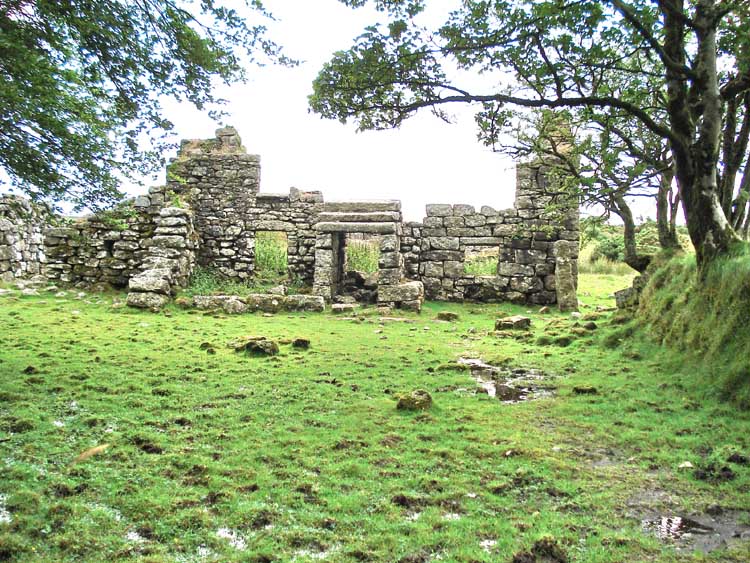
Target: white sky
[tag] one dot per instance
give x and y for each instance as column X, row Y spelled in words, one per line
column 426, row 161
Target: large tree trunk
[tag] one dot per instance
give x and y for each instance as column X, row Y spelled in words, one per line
column 697, row 110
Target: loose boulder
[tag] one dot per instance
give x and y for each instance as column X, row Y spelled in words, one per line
column 418, row 399
column 516, row 322
column 258, row 346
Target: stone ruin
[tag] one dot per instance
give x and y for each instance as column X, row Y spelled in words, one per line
column 210, row 210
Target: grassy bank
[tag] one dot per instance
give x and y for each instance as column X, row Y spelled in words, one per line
column 707, row 323
column 214, row 456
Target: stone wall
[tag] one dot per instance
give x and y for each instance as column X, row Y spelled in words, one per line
column 210, row 211
column 436, row 250
column 222, row 182
column 21, row 239
column 108, row 248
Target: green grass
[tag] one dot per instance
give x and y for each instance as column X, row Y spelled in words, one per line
column 362, row 255
column 306, row 453
column 588, row 265
column 706, row 323
column 479, row 265
column 270, row 254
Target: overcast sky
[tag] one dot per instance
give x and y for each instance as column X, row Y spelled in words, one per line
column 425, row 161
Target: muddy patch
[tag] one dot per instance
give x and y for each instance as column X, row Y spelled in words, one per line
column 703, row 532
column 509, row 385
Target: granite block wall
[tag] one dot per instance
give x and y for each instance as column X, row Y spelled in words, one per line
column 21, row 239
column 210, row 211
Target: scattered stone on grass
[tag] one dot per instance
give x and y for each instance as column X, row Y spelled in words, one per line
column 301, row 343
column 449, row 316
column 258, row 346
column 153, row 301
column 516, row 322
column 343, row 308
column 418, row 399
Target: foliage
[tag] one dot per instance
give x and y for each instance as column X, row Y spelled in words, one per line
column 306, row 454
column 672, row 67
column 709, row 323
column 362, row 255
column 82, row 82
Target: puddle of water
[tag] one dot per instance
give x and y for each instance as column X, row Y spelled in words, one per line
column 508, row 385
column 487, row 545
column 674, row 527
column 699, row 533
column 234, row 539
column 5, row 517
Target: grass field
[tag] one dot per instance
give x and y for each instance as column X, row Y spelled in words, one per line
column 221, row 457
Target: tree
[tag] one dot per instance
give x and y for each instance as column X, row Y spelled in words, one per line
column 81, row 81
column 565, row 54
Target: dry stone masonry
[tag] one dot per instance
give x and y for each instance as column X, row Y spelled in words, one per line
column 21, row 238
column 210, row 212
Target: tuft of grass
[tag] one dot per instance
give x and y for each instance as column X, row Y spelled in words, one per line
column 362, row 255
column 270, row 254
column 589, row 263
column 481, row 265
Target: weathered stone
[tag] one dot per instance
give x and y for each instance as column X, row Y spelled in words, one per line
column 152, row 281
column 301, row 343
column 418, row 399
column 257, row 346
column 463, row 210
column 361, row 206
column 264, row 302
column 343, row 308
column 409, row 291
column 566, row 276
column 515, row 322
column 360, row 217
column 376, row 228
column 313, row 303
column 439, row 210
column 152, row 301
column 443, row 243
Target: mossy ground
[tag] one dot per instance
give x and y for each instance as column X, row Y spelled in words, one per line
column 304, row 456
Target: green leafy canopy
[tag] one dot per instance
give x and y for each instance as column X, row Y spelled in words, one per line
column 81, row 83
